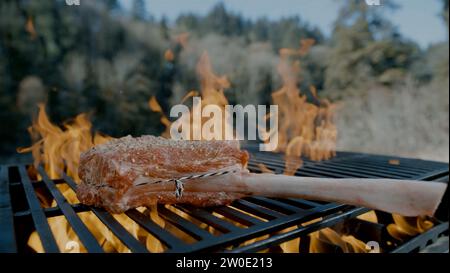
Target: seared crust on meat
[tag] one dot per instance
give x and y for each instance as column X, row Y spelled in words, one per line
column 110, row 171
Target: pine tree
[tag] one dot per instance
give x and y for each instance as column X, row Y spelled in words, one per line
column 139, row 9
column 366, row 50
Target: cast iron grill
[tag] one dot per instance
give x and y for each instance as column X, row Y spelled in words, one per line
column 21, row 211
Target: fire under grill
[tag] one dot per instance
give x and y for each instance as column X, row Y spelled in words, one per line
column 249, row 225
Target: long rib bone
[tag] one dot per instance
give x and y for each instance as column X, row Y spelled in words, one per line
column 405, row 197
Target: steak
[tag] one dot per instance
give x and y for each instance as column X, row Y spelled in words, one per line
column 132, row 172
column 110, row 172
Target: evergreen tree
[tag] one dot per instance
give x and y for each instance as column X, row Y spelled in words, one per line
column 366, row 49
column 444, row 13
column 139, row 9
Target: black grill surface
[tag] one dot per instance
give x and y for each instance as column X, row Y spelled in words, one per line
column 21, row 211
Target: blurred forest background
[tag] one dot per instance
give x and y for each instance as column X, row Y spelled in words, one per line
column 99, row 58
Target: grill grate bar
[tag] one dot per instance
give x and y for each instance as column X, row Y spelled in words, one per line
column 420, row 241
column 54, row 211
column 345, row 169
column 37, row 214
column 406, row 164
column 116, row 228
column 302, row 202
column 208, row 218
column 7, row 233
column 183, row 224
column 367, row 172
column 256, row 209
column 317, row 170
column 433, row 175
column 274, row 205
column 39, row 183
column 161, row 234
column 278, row 169
column 119, row 231
column 316, row 173
column 88, row 240
column 264, row 228
column 381, row 164
column 243, row 220
column 383, row 168
column 378, row 171
column 331, row 171
column 237, row 216
column 410, row 162
column 301, row 230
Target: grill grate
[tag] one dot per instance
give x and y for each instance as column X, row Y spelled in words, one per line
column 245, row 219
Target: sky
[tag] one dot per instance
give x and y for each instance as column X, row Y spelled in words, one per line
column 416, row 19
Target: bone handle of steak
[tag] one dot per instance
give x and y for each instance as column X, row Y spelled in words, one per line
column 405, row 197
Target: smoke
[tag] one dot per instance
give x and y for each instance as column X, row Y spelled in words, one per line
column 249, row 67
column 408, row 121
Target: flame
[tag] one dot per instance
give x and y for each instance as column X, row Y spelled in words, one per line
column 212, row 89
column 58, row 149
column 169, row 56
column 311, row 132
column 306, row 128
column 394, row 162
column 29, row 27
column 404, row 228
column 370, row 216
column 327, row 239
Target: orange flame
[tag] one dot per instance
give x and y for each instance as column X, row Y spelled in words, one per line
column 29, row 27
column 406, row 227
column 322, row 240
column 168, row 55
column 59, row 149
column 212, row 93
column 327, row 239
column 305, row 128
